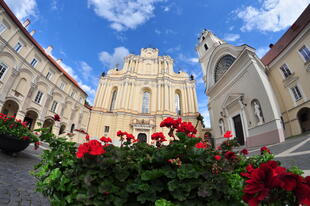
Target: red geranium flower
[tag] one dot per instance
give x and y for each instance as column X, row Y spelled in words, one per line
column 158, row 136
column 106, row 139
column 56, row 117
column 264, row 149
column 230, row 155
column 217, row 157
column 244, row 151
column 36, row 145
column 87, row 137
column 119, row 133
column 201, row 145
column 93, row 147
column 228, row 134
column 187, row 128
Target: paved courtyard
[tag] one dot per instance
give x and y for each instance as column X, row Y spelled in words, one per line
column 17, row 186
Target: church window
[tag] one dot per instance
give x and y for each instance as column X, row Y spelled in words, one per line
column 106, row 129
column 296, row 92
column 206, row 47
column 146, row 102
column 305, row 52
column 34, row 62
column 178, row 104
column 3, row 68
column 222, row 66
column 113, row 100
column 285, row 70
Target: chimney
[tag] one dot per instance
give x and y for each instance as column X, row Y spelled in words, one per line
column 32, row 32
column 26, row 23
column 49, row 49
column 270, row 45
column 59, row 61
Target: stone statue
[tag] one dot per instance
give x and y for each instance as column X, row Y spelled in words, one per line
column 257, row 112
column 221, row 126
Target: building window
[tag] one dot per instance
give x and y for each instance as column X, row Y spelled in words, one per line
column 54, row 106
column 3, row 68
column 72, row 128
column 285, row 70
column 38, row 97
column 304, row 51
column 177, row 104
column 2, row 28
column 72, row 94
column 18, row 47
column 106, row 129
column 81, row 100
column 49, row 75
column 113, row 100
column 296, row 92
column 146, row 102
column 34, row 62
column 62, row 86
column 206, row 47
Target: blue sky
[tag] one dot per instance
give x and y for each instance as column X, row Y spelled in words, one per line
column 92, row 36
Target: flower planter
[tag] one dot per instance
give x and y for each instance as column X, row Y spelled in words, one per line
column 12, row 144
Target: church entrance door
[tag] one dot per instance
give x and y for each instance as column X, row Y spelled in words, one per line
column 238, row 129
column 304, row 119
column 142, row 137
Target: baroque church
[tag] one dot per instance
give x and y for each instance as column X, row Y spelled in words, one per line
column 261, row 101
column 139, row 96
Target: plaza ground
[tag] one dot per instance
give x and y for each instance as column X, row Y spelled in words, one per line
column 17, row 186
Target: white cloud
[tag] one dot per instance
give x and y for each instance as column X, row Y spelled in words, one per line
column 186, row 59
column 124, row 14
column 273, row 15
column 117, row 57
column 22, row 8
column 174, row 49
column 205, row 113
column 157, row 31
column 231, row 37
column 86, row 69
column 260, row 52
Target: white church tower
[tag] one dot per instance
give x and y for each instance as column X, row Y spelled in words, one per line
column 241, row 98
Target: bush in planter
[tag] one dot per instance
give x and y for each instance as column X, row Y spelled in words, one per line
column 185, row 172
column 16, row 129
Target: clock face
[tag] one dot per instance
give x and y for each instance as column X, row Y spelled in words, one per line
column 222, row 66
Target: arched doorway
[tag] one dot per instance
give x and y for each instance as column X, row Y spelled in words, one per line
column 304, row 119
column 48, row 123
column 62, row 129
column 142, row 137
column 31, row 118
column 72, row 128
column 10, row 108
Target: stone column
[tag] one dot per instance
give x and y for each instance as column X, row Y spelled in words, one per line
column 9, row 84
column 166, row 99
column 48, row 100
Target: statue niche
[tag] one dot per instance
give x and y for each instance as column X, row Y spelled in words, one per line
column 257, row 110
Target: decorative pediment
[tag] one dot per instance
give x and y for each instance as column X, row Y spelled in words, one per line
column 142, row 123
column 231, row 99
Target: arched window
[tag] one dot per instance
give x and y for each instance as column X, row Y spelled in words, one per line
column 146, row 102
column 178, row 104
column 222, row 66
column 113, row 100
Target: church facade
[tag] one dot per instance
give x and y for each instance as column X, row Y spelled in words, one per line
column 241, row 98
column 139, row 96
column 261, row 101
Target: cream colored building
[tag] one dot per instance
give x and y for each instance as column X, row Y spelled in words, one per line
column 139, row 96
column 33, row 86
column 288, row 67
column 241, row 98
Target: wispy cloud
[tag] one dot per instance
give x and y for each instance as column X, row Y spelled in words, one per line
column 231, row 37
column 272, row 15
column 110, row 60
column 261, row 51
column 23, row 8
column 124, row 14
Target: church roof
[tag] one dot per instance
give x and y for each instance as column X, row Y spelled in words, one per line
column 302, row 21
column 26, row 33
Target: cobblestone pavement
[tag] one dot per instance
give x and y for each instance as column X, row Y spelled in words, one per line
column 17, row 186
column 293, row 152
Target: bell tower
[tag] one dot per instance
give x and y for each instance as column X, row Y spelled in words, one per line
column 207, row 42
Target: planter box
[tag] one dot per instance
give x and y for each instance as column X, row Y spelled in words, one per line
column 12, row 144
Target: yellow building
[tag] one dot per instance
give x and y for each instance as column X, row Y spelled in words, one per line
column 139, row 96
column 288, row 67
column 33, row 86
